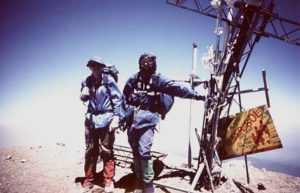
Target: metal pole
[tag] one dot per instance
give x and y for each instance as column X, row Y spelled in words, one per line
column 174, row 187
column 194, row 64
column 266, row 87
column 245, row 156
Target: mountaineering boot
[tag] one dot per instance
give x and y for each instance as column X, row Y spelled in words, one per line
column 138, row 183
column 137, row 190
column 109, row 188
column 88, row 182
column 108, row 174
column 148, row 175
column 148, row 188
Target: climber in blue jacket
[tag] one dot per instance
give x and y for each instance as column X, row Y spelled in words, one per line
column 149, row 96
column 104, row 110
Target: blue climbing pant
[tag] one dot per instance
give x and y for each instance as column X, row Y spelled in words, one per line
column 141, row 141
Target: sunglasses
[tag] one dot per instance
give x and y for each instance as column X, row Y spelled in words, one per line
column 147, row 64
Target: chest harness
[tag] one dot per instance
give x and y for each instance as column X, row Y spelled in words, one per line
column 142, row 87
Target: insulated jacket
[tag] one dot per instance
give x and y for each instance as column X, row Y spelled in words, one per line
column 144, row 97
column 104, row 101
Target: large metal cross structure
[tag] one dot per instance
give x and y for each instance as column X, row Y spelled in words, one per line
column 239, row 26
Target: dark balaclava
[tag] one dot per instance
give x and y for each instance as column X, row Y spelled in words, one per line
column 147, row 65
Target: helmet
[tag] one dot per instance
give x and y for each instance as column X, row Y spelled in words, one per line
column 147, row 63
column 95, row 61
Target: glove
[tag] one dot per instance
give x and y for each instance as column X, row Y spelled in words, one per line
column 200, row 97
column 114, row 124
column 85, row 93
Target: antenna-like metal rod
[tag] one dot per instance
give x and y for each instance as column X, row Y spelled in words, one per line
column 194, row 66
column 245, row 156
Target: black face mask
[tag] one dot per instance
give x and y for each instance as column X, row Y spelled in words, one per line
column 147, row 68
column 146, row 74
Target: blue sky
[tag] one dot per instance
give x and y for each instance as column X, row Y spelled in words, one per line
column 45, row 46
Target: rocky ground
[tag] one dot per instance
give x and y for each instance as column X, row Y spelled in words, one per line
column 59, row 168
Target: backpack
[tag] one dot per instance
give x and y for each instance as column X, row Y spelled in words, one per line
column 108, row 70
column 164, row 104
column 111, row 70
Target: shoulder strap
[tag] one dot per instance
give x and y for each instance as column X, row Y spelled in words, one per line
column 140, row 85
column 109, row 94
